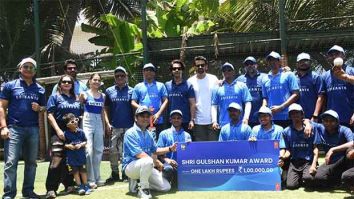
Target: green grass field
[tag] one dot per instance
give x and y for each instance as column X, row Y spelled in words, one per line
column 120, row 189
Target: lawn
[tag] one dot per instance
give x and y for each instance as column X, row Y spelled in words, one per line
column 120, row 189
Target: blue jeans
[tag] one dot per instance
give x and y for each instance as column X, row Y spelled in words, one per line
column 23, row 139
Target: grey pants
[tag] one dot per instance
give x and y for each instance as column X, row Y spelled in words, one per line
column 116, row 148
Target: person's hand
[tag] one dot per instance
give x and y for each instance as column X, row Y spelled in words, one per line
column 276, row 109
column 159, row 165
column 171, row 162
column 252, row 139
column 35, row 107
column 312, row 170
column 70, row 146
column 215, row 126
column 280, row 163
column 350, row 154
column 173, row 147
column 82, row 98
column 191, row 125
column 5, row 133
column 109, row 129
column 314, row 119
column 156, row 118
column 339, row 73
column 328, row 156
column 61, row 135
column 308, row 129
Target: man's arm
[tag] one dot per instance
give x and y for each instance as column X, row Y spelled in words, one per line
column 292, row 99
column 318, row 107
column 214, row 117
column 5, row 133
column 161, row 110
column 336, row 149
column 164, row 150
column 313, row 169
column 193, row 108
column 246, row 116
column 134, row 104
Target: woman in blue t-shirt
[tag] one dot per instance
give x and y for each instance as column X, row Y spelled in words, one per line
column 62, row 102
column 92, row 123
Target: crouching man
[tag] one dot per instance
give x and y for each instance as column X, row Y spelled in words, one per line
column 140, row 157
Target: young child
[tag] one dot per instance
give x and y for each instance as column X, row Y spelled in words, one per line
column 75, row 142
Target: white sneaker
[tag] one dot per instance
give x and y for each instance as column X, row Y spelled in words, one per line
column 144, row 193
column 133, row 185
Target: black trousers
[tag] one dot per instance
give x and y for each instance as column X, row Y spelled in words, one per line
column 348, row 175
column 297, row 170
column 327, row 175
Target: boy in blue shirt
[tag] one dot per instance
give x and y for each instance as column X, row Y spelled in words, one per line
column 168, row 137
column 303, row 150
column 235, row 130
column 75, row 142
column 331, row 135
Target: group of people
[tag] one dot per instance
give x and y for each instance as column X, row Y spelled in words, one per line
column 145, row 123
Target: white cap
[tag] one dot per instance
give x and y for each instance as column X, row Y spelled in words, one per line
column 234, row 105
column 336, row 48
column 250, row 58
column 274, row 55
column 227, row 64
column 176, row 112
column 265, row 110
column 330, row 113
column 120, row 68
column 303, row 56
column 142, row 109
column 149, row 65
column 28, row 60
column 295, row 107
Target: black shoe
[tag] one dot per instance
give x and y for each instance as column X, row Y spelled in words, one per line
column 31, row 195
column 114, row 178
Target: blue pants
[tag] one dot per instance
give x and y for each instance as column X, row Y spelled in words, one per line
column 26, row 138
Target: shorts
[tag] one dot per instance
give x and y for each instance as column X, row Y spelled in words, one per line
column 75, row 169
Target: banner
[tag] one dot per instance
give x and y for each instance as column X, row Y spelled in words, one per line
column 234, row 165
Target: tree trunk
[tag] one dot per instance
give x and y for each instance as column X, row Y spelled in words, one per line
column 71, row 14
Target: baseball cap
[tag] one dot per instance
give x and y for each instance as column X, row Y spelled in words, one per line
column 121, row 69
column 303, row 56
column 250, row 58
column 176, row 112
column 28, row 60
column 295, row 107
column 142, row 109
column 330, row 113
column 234, row 105
column 227, row 64
column 274, row 55
column 336, row 48
column 149, row 65
column 265, row 110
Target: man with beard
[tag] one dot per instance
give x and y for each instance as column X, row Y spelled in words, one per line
column 70, row 68
column 311, row 90
column 253, row 79
column 339, row 94
column 203, row 85
column 279, row 90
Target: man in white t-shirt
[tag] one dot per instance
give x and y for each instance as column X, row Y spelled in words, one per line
column 203, row 85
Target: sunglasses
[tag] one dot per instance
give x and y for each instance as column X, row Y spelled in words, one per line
column 71, row 68
column 29, row 67
column 200, row 65
column 76, row 120
column 176, row 69
column 66, row 82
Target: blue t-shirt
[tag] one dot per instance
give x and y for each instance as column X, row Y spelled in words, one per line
column 119, row 101
column 93, row 105
column 237, row 131
column 170, row 136
column 228, row 93
column 61, row 104
column 254, row 85
column 274, row 133
column 135, row 142
column 20, row 97
column 340, row 94
column 276, row 89
column 300, row 147
column 75, row 157
column 79, row 87
column 310, row 88
column 150, row 95
column 328, row 141
column 178, row 98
